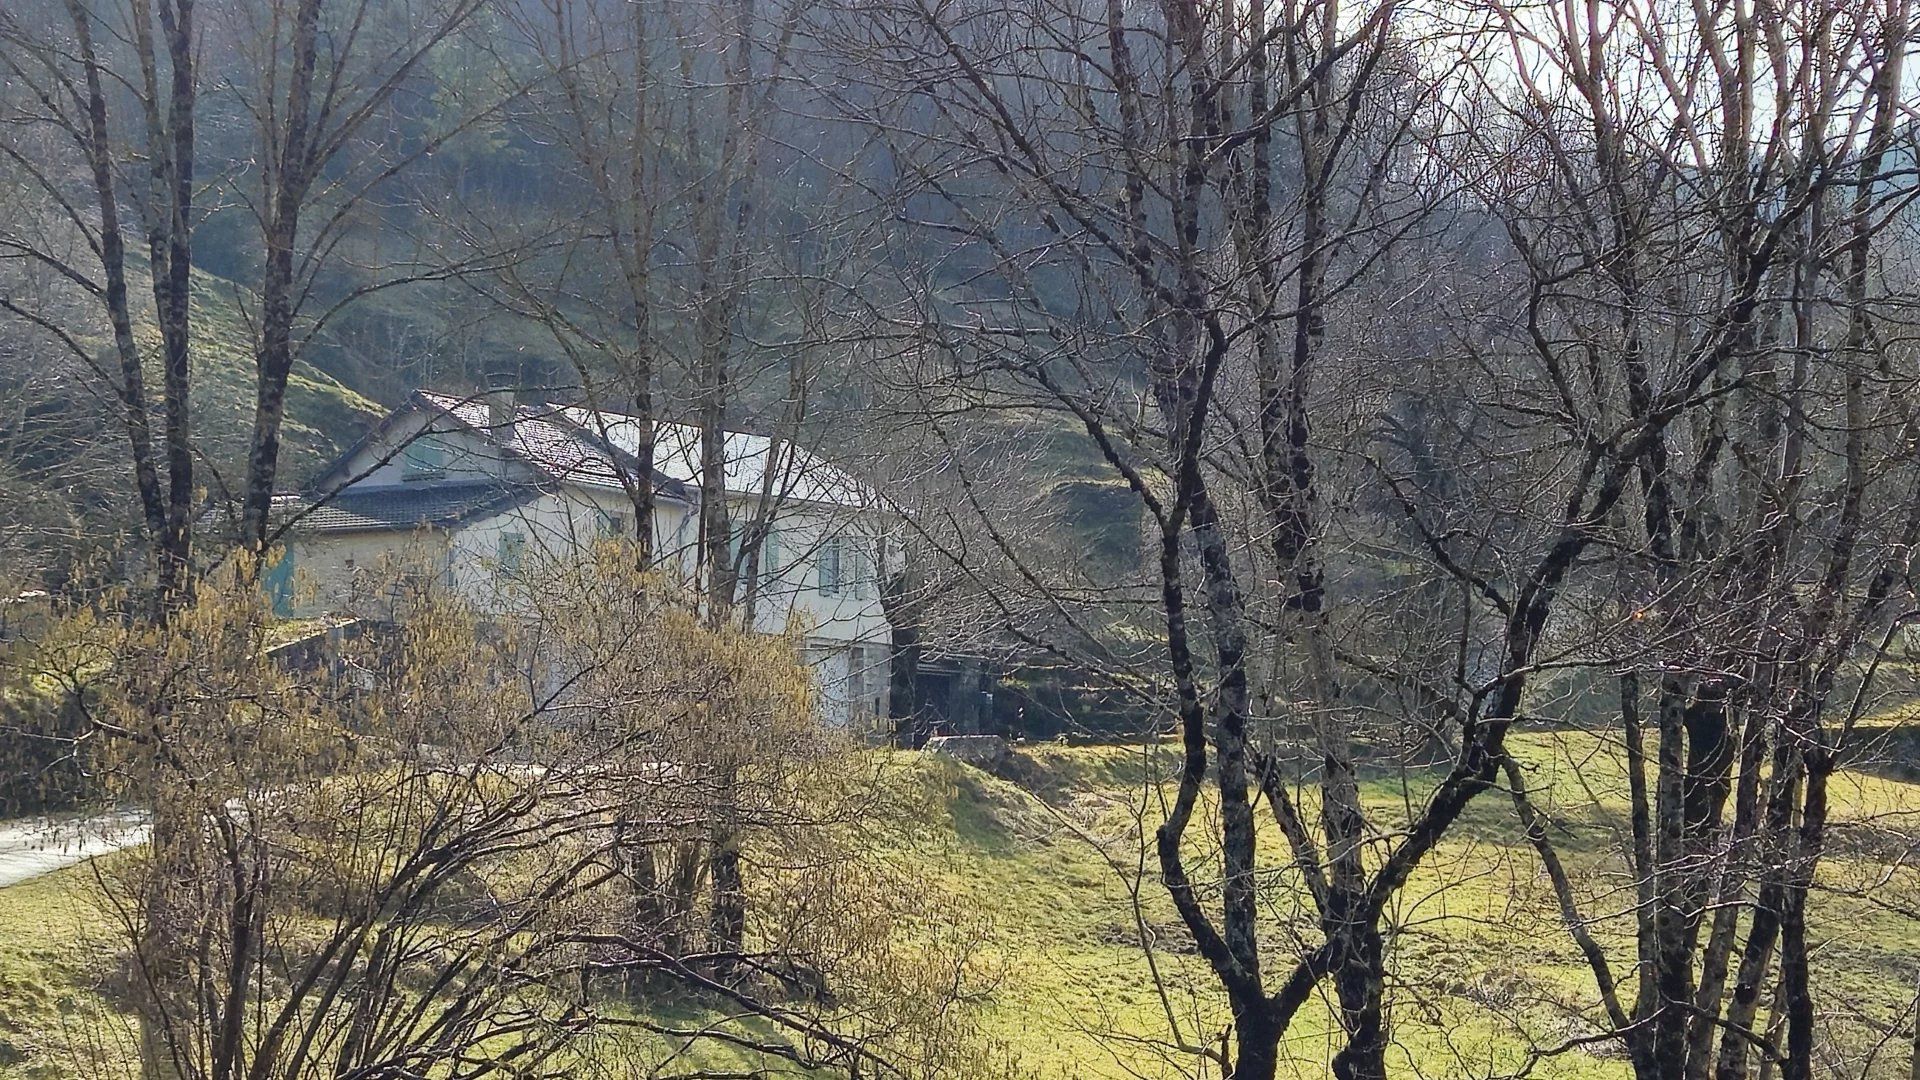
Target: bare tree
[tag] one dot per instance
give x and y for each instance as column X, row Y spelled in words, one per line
column 325, row 133
column 1712, row 192
column 663, row 111
column 1156, row 212
column 1115, row 173
column 105, row 114
column 71, row 87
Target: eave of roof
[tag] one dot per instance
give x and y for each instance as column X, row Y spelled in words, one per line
column 402, row 507
column 801, row 476
column 558, row 443
column 525, row 446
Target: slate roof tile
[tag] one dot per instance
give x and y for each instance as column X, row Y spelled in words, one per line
column 400, row 506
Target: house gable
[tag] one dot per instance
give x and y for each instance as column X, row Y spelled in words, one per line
column 421, row 443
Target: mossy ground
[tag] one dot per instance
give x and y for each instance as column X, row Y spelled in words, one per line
column 1051, row 859
column 57, row 965
column 323, row 417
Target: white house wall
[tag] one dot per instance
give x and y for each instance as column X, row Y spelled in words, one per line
column 846, row 634
column 847, row 631
column 336, row 571
column 553, row 525
column 792, row 594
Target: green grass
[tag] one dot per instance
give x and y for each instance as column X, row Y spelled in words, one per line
column 57, row 967
column 323, row 416
column 1079, row 998
column 1051, row 864
column 1485, row 966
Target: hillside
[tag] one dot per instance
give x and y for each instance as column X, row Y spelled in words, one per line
column 1049, row 862
column 64, row 467
column 324, row 415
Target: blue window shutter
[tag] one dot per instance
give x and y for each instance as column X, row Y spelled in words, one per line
column 511, row 545
column 279, row 584
column 830, row 566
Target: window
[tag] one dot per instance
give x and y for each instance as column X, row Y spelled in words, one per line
column 512, row 546
column 423, row 459
column 684, row 557
column 611, row 524
column 831, row 579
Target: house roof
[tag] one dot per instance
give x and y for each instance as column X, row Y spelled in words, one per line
column 579, row 445
column 799, row 476
column 548, row 439
column 541, row 437
column 403, row 506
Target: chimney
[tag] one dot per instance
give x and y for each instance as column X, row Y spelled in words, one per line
column 501, row 394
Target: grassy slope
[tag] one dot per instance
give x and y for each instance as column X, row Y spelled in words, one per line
column 66, row 472
column 55, row 961
column 323, row 417
column 1485, row 964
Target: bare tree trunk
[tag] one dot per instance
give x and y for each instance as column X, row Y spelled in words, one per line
column 288, row 175
column 169, row 227
column 727, row 921
column 132, row 369
column 308, row 114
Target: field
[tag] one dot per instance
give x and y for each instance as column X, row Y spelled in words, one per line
column 1050, row 860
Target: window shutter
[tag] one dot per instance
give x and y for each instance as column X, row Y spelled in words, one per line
column 511, row 546
column 770, row 554
column 830, row 566
column 279, row 583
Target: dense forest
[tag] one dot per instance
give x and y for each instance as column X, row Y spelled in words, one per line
column 1399, row 431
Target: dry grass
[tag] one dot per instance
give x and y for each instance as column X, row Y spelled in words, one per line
column 1485, row 968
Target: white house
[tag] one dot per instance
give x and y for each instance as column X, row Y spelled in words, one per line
column 476, row 486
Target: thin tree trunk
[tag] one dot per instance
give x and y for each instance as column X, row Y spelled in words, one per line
column 287, row 180
column 169, row 225
column 113, row 264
